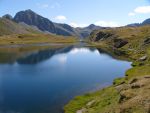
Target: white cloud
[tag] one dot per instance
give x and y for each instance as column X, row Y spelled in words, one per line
column 60, row 18
column 131, row 14
column 107, row 24
column 42, row 5
column 140, row 10
column 73, row 24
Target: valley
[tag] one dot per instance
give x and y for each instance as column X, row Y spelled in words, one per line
column 74, row 61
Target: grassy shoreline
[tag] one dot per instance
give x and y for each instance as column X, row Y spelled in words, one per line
column 17, row 45
column 108, row 99
column 128, row 94
column 35, row 39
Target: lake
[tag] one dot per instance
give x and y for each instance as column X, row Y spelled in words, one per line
column 44, row 79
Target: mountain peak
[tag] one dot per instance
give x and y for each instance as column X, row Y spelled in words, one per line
column 91, row 26
column 146, row 22
column 7, row 16
column 29, row 11
column 31, row 18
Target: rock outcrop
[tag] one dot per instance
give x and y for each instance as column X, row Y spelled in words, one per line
column 135, row 95
column 147, row 40
column 118, row 43
column 100, row 36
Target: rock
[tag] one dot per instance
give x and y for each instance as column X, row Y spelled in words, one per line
column 133, row 81
column 122, row 87
column 83, row 110
column 148, row 77
column 118, row 43
column 147, row 41
column 143, row 58
column 102, row 35
column 90, row 103
column 141, row 82
column 126, row 94
column 134, row 86
column 20, row 36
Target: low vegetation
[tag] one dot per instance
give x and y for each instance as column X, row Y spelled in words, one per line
column 34, row 38
column 98, row 102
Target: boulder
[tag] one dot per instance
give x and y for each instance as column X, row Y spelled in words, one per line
column 102, row 35
column 143, row 58
column 147, row 41
column 118, row 43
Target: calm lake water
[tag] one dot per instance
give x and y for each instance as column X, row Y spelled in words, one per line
column 44, row 80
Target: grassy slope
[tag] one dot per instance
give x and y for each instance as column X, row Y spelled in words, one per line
column 8, row 27
column 14, row 33
column 98, row 102
column 135, row 37
column 127, row 99
column 34, row 38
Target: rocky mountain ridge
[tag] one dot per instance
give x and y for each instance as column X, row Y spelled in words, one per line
column 31, row 18
column 35, row 21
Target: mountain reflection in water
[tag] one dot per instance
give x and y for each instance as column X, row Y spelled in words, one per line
column 36, row 56
column 44, row 79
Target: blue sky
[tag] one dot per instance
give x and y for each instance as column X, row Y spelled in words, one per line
column 83, row 12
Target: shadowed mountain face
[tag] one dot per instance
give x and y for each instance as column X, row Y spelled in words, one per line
column 86, row 31
column 145, row 22
column 65, row 29
column 31, row 18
